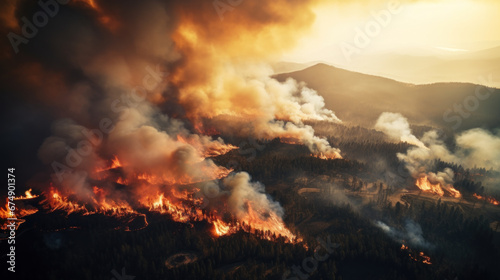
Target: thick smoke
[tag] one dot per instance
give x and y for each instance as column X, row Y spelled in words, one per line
column 139, row 81
column 245, row 194
column 478, row 147
column 474, row 148
column 397, row 128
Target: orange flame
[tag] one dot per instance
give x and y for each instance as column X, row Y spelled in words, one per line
column 420, row 257
column 326, row 155
column 425, row 185
column 272, row 224
column 221, row 228
column 27, row 195
column 454, row 192
column 210, row 149
column 488, row 199
column 182, row 210
column 100, row 204
column 58, row 202
column 181, row 201
column 425, row 259
column 6, row 213
column 115, row 163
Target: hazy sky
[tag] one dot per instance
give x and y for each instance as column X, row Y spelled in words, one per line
column 451, row 25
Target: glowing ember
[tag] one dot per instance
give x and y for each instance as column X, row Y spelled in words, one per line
column 289, row 140
column 488, row 199
column 425, row 259
column 420, row 257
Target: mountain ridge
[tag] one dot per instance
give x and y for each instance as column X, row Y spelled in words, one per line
column 424, row 104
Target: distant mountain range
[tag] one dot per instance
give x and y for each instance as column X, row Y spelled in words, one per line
column 359, row 99
column 482, row 67
column 417, row 65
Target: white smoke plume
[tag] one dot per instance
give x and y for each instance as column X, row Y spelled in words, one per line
column 474, row 148
column 245, row 194
column 397, row 128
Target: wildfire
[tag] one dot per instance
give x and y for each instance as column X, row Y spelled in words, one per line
column 420, row 257
column 176, row 197
column 425, row 185
column 267, row 222
column 202, row 129
column 488, row 199
column 454, row 192
column 27, row 195
column 183, row 209
column 100, row 204
column 104, row 205
column 221, row 228
column 181, row 204
column 105, row 20
column 115, row 163
column 6, row 213
column 58, row 202
column 326, row 156
column 425, row 259
column 178, row 211
column 206, row 149
column 289, row 140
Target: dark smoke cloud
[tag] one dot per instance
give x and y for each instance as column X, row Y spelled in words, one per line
column 130, row 80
